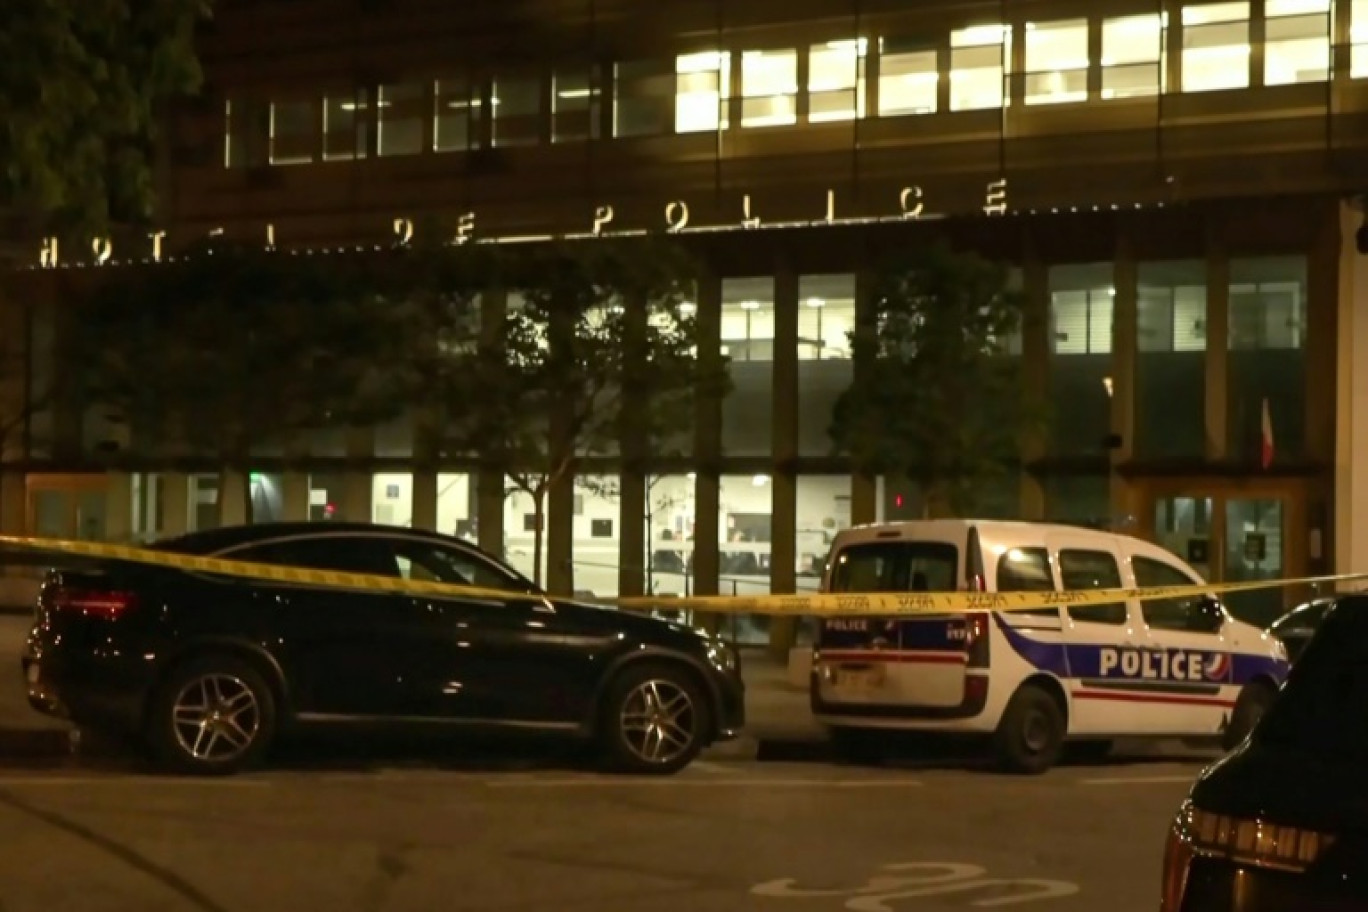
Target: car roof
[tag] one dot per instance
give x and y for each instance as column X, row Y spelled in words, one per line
column 210, row 541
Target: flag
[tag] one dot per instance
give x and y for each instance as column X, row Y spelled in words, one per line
column 1266, row 437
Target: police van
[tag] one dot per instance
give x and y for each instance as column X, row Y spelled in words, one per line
column 1032, row 680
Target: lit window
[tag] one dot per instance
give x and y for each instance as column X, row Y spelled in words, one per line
column 908, row 78
column 294, row 132
column 1358, row 39
column 400, row 127
column 1215, row 47
column 836, row 80
column 1057, row 61
column 826, row 317
column 346, row 126
column 1267, row 303
column 574, row 107
column 1296, row 41
column 516, row 107
column 702, row 85
column 456, row 116
column 978, row 64
column 769, row 81
column 1133, row 56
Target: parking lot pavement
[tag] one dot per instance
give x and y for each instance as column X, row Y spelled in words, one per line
column 721, row 836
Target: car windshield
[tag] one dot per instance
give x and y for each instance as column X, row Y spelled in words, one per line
column 896, row 566
column 1323, row 708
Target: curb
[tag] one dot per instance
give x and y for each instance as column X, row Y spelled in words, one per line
column 36, row 743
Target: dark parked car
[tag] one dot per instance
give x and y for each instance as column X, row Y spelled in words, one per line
column 206, row 670
column 1296, row 628
column 1282, row 822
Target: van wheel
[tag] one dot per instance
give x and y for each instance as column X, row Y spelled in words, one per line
column 1030, row 736
column 862, row 746
column 1253, row 702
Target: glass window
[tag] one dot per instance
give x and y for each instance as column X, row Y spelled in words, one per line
column 1296, row 41
column 456, row 115
column 434, row 563
column 1170, row 368
column 392, row 498
column 1185, row 614
column 455, row 499
column 1025, row 570
column 1081, row 309
column 1133, row 56
column 826, row 317
column 702, row 87
column 1266, row 360
column 744, row 537
column 1092, row 570
column 769, row 82
column 836, row 80
column 670, row 507
column 1358, row 38
column 520, row 532
column 597, row 534
column 400, row 127
column 896, row 567
column 823, row 510
column 294, row 132
column 574, row 106
column 748, row 340
column 644, row 98
column 1057, row 61
column 979, row 57
column 346, row 126
column 1215, row 47
column 908, row 78
column 341, row 553
column 516, row 104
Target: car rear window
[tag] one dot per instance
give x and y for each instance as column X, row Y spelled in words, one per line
column 896, row 566
column 1323, row 708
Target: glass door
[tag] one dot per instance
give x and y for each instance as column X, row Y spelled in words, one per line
column 67, row 506
column 1254, row 551
column 1184, row 526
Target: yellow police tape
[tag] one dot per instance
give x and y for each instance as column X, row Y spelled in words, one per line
column 811, row 605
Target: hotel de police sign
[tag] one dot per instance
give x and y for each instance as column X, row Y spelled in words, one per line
column 910, row 204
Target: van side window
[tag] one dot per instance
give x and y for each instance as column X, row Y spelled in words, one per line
column 1092, row 570
column 1166, row 614
column 1026, row 570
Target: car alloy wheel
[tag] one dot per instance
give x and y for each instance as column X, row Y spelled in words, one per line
column 659, row 721
column 216, row 718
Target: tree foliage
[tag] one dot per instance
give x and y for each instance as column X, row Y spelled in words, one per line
column 83, row 84
column 936, row 397
column 225, row 351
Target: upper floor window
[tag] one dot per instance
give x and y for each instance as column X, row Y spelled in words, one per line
column 1358, row 39
column 908, row 77
column 1057, row 61
column 979, row 59
column 1170, row 306
column 1215, row 46
column 574, row 106
column 1296, row 41
column 399, row 124
column 702, row 86
column 645, row 99
column 1133, row 56
column 1081, row 309
column 836, row 80
column 456, row 118
column 769, row 87
column 293, row 132
column 516, row 108
column 826, row 317
column 1268, row 303
column 346, row 125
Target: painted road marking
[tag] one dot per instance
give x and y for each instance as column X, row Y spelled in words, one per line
column 911, row 880
column 1140, row 780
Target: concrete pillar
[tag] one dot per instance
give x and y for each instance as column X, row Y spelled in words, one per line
column 424, row 506
column 1124, row 355
column 175, row 504
column 1218, row 339
column 783, row 631
column 1351, row 404
column 1035, row 354
column 632, row 554
column 559, row 537
column 707, row 450
column 294, row 496
column 118, row 518
column 864, row 495
column 234, row 504
column 489, row 510
column 355, row 505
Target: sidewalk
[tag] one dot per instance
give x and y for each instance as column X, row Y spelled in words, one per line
column 777, row 715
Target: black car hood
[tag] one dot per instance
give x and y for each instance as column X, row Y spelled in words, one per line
column 1285, row 785
column 644, row 627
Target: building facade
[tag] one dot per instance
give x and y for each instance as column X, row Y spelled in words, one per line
column 1177, row 186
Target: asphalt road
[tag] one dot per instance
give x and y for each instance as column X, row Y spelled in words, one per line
column 722, row 836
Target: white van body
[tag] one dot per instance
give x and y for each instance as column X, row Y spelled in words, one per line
column 1169, row 668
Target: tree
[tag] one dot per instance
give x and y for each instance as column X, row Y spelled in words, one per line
column 85, row 84
column 594, row 351
column 234, row 347
column 936, row 397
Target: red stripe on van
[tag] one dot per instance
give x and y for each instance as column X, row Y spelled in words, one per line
column 893, row 655
column 1132, row 697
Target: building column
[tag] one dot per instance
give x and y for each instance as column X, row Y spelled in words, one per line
column 294, row 496
column 632, row 533
column 489, row 510
column 1351, row 403
column 358, row 487
column 1123, row 386
column 1035, row 360
column 708, row 451
column 783, row 631
column 1217, row 345
column 424, row 506
column 118, row 519
column 175, row 504
column 864, row 496
column 234, row 499
column 559, row 538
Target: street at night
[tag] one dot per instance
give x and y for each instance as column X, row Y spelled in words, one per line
column 724, row 835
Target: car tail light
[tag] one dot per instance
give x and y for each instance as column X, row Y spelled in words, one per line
column 96, row 603
column 975, row 689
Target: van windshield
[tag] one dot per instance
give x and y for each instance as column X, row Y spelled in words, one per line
column 896, row 566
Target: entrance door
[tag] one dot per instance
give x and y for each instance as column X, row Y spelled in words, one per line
column 66, row 506
column 1236, row 535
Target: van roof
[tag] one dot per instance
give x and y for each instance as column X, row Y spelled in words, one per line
column 955, row 529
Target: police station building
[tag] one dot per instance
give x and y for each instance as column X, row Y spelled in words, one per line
column 1178, row 185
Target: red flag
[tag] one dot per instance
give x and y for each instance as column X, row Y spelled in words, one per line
column 1266, row 438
